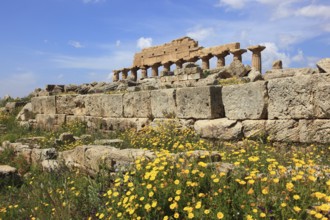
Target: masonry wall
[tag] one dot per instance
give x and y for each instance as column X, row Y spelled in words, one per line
column 290, row 109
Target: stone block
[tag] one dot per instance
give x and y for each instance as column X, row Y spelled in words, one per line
column 74, row 118
column 287, row 72
column 112, row 105
column 88, row 105
column 137, row 104
column 290, row 98
column 283, row 130
column 254, row 128
column 245, row 101
column 222, row 129
column 321, row 91
column 314, row 131
column 93, row 123
column 199, row 102
column 51, row 121
column 44, row 105
column 194, row 76
column 122, row 124
column 183, row 77
column 163, row 103
column 65, row 104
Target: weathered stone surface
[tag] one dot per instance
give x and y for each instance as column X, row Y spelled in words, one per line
column 65, row 104
column 112, row 105
column 321, row 94
column 50, row 165
column 283, row 130
column 237, row 68
column 245, row 101
column 290, row 72
column 199, row 102
column 66, row 137
column 254, row 75
column 8, row 176
column 122, row 124
column 39, row 155
column 88, row 105
column 44, row 105
column 277, row 64
column 254, row 128
column 26, row 113
column 7, row 170
column 324, row 65
column 50, row 122
column 93, row 123
column 111, row 142
column 222, row 129
column 74, row 119
column 314, row 131
column 163, row 103
column 290, row 98
column 91, row 157
column 137, row 104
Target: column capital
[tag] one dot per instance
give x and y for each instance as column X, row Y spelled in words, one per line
column 222, row 54
column 256, row 48
column 238, row 52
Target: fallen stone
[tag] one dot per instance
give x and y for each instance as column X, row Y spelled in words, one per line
column 39, row 155
column 222, row 129
column 50, row 165
column 289, row 72
column 237, row 68
column 9, row 176
column 277, row 64
column 67, row 137
column 254, row 75
column 111, row 142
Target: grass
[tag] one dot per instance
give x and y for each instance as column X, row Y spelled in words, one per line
column 268, row 182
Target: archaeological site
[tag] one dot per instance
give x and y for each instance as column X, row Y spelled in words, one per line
column 229, row 102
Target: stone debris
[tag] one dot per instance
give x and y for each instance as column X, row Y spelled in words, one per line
column 324, row 65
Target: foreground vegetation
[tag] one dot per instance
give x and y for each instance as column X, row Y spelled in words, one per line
column 268, row 182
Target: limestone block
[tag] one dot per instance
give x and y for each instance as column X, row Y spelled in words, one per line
column 194, row 76
column 290, row 98
column 245, row 101
column 199, row 102
column 283, row 130
column 122, row 124
column 324, row 65
column 112, row 105
column 163, row 103
column 182, row 77
column 38, row 155
column 51, row 121
column 288, row 72
column 321, row 90
column 236, row 68
column 74, row 118
column 254, row 128
column 222, row 129
column 314, row 131
column 65, row 104
column 50, row 165
column 93, row 123
column 44, row 105
column 89, row 105
column 137, row 104
column 26, row 113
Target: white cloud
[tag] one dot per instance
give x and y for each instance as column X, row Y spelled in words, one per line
column 199, row 33
column 118, row 43
column 234, row 4
column 299, row 58
column 314, row 11
column 272, row 53
column 75, row 44
column 93, row 1
column 143, row 42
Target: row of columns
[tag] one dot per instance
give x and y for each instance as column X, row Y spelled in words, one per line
column 237, row 56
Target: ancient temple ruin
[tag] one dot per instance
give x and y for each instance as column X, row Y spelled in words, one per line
column 181, row 51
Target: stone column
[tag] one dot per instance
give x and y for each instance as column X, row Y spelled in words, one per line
column 115, row 77
column 206, row 61
column 154, row 70
column 256, row 56
column 221, row 58
column 144, row 72
column 179, row 63
column 167, row 66
column 238, row 54
column 134, row 73
column 124, row 73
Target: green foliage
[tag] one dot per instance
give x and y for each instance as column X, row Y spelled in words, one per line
column 231, row 81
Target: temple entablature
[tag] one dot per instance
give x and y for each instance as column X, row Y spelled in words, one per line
column 180, row 51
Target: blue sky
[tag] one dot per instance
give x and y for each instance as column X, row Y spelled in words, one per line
column 80, row 41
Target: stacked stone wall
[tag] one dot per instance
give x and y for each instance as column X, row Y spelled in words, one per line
column 289, row 109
